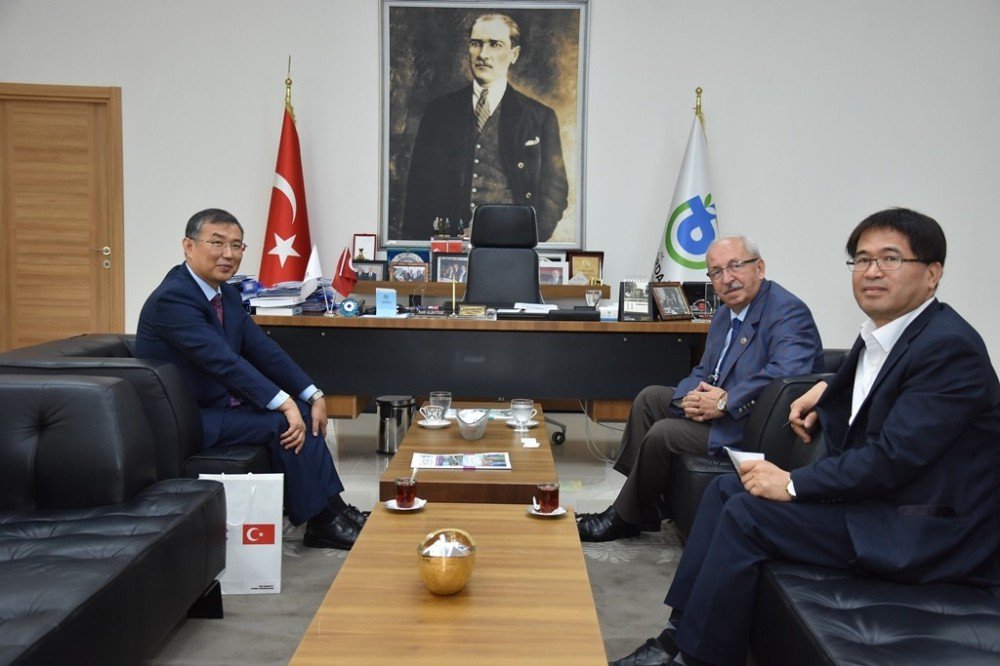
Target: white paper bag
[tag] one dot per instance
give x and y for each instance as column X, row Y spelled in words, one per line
column 253, row 532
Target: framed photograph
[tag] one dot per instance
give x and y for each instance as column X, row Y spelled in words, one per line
column 371, row 270
column 409, row 272
column 365, row 247
column 408, row 255
column 590, row 264
column 437, row 58
column 670, row 300
column 552, row 272
column 451, row 266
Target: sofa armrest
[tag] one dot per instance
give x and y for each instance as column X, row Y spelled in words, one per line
column 71, row 441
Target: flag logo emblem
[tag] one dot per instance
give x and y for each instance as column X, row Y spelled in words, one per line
column 258, row 534
column 690, row 230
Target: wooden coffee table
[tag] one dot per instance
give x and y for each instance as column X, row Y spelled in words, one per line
column 528, row 601
column 529, row 467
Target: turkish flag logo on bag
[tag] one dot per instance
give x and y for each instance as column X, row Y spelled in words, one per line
column 258, row 535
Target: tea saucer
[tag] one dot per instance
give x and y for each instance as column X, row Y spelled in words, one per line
column 558, row 512
column 434, row 425
column 417, row 505
column 528, row 424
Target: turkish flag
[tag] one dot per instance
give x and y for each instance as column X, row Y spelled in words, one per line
column 286, row 242
column 258, row 535
column 346, row 277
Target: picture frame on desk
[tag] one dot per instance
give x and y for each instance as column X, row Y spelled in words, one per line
column 552, row 272
column 365, row 247
column 670, row 302
column 590, row 264
column 409, row 272
column 633, row 300
column 372, row 270
column 450, row 266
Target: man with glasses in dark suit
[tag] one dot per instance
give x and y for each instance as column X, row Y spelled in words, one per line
column 763, row 331
column 249, row 390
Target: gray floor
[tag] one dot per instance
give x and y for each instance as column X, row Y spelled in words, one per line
column 629, row 577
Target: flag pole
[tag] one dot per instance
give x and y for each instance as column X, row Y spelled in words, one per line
column 288, row 88
column 697, row 102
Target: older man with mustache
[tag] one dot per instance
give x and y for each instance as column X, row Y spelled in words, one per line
column 761, row 332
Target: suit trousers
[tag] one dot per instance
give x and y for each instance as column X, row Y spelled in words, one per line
column 311, row 479
column 734, row 534
column 653, row 435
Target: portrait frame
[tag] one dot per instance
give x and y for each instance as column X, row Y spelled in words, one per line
column 671, row 303
column 378, row 268
column 365, row 247
column 552, row 272
column 590, row 264
column 443, row 261
column 409, row 272
column 425, row 58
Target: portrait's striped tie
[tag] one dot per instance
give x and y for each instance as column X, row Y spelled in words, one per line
column 482, row 110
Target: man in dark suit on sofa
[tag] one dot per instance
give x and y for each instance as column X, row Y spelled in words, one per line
column 239, row 377
column 486, row 143
column 762, row 331
column 908, row 488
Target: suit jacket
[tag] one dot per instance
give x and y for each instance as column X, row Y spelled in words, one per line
column 920, row 463
column 778, row 339
column 179, row 325
column 439, row 180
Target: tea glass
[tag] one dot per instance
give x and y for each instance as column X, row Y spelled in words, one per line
column 546, row 499
column 593, row 297
column 406, row 492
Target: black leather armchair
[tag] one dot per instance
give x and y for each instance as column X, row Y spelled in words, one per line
column 98, row 560
column 503, row 265
column 167, row 404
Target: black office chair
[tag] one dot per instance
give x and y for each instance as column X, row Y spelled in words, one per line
column 503, row 264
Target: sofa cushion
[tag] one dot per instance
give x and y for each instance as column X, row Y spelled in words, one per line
column 105, row 585
column 813, row 615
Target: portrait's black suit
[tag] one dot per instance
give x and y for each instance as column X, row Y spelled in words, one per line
column 179, row 325
column 439, row 179
column 907, row 491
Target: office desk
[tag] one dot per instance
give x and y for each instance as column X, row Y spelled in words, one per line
column 488, row 359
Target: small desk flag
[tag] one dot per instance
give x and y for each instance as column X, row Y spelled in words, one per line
column 287, row 241
column 692, row 224
column 346, row 277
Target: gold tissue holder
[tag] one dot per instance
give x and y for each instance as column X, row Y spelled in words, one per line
column 445, row 575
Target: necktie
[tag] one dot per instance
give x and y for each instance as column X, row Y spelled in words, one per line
column 482, row 110
column 734, row 332
column 217, row 304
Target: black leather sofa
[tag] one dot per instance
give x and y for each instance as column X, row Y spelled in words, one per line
column 168, row 405
column 98, row 559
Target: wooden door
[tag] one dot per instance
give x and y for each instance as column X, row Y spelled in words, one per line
column 61, row 247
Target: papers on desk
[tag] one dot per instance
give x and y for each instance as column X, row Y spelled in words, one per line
column 533, row 307
column 500, row 460
column 738, row 456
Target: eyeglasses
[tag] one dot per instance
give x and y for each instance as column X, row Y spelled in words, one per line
column 890, row 262
column 733, row 267
column 220, row 246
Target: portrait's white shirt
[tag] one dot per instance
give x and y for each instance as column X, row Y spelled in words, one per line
column 492, row 98
column 878, row 343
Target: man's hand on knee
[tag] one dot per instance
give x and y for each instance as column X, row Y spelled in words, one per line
column 764, row 479
column 295, row 436
column 319, row 418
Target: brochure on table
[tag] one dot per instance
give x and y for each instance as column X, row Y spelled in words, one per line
column 500, row 460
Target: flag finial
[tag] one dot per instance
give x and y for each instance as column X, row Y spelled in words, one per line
column 697, row 105
column 288, row 89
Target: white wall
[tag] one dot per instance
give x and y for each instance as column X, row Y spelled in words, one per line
column 818, row 113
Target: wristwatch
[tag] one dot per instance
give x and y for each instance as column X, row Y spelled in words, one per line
column 318, row 395
column 790, row 488
column 723, row 401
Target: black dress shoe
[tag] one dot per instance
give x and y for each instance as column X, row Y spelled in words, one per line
column 606, row 526
column 341, row 533
column 650, row 653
